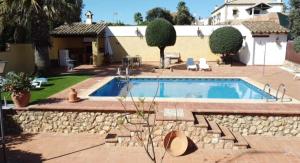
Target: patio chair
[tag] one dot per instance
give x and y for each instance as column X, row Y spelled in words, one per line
column 190, row 64
column 203, row 64
column 38, row 82
column 297, row 76
column 70, row 63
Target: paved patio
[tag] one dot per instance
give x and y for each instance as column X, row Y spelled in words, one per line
column 269, row 74
column 82, row 148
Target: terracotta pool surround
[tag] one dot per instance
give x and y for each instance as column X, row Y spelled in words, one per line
column 86, row 94
column 274, row 75
column 211, row 108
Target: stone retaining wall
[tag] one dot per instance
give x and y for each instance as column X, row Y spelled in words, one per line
column 260, row 125
column 102, row 123
column 62, row 122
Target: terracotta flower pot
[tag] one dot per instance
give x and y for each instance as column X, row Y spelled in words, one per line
column 21, row 99
column 176, row 143
column 73, row 96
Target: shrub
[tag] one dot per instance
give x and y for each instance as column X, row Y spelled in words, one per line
column 297, row 44
column 16, row 82
column 158, row 12
column 226, row 41
column 160, row 33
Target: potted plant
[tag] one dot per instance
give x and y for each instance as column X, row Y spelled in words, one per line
column 19, row 85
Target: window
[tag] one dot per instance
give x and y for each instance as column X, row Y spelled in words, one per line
column 235, row 12
column 256, row 12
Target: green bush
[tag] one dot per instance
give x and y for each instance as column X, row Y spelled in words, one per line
column 297, row 44
column 16, row 82
column 158, row 12
column 160, row 33
column 226, row 41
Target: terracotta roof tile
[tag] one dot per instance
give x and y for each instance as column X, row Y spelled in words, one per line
column 264, row 27
column 79, row 29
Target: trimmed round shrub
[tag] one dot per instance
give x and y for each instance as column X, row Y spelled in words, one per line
column 297, row 44
column 226, row 40
column 160, row 33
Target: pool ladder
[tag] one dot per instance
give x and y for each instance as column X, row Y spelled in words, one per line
column 282, row 86
column 268, row 88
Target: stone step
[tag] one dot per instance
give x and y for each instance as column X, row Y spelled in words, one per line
column 226, row 133
column 227, row 137
column 213, row 128
column 241, row 142
column 200, row 121
column 111, row 138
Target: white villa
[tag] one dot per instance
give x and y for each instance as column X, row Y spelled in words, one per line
column 239, row 10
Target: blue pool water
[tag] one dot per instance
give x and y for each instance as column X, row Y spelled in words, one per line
column 206, row 88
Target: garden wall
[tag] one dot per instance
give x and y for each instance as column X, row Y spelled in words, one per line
column 20, row 58
column 103, row 122
column 192, row 42
column 291, row 54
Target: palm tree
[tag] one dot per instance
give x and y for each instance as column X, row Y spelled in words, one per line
column 138, row 18
column 36, row 16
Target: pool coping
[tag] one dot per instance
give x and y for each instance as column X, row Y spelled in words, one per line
column 86, row 93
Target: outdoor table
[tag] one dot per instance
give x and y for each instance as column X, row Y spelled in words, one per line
column 130, row 61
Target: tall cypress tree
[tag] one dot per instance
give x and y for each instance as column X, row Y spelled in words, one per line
column 295, row 18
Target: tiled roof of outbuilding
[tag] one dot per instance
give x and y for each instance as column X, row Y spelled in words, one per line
column 79, row 29
column 264, row 27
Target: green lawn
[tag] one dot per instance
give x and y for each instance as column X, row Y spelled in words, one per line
column 55, row 85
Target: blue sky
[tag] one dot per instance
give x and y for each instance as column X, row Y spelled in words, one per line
column 123, row 10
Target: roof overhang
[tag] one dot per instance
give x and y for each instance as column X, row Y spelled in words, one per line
column 79, row 30
column 258, row 28
column 262, row 6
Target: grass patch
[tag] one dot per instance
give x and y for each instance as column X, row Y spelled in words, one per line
column 55, row 85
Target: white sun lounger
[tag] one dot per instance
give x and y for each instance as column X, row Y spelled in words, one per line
column 297, row 76
column 38, row 82
column 203, row 64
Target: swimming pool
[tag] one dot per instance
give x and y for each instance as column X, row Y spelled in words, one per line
column 184, row 88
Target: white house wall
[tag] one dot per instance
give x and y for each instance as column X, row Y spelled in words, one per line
column 275, row 50
column 246, row 52
column 242, row 12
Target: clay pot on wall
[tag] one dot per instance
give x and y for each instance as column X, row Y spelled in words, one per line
column 21, row 99
column 73, row 96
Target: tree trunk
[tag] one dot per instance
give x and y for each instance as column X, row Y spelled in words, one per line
column 162, row 57
column 40, row 38
column 41, row 58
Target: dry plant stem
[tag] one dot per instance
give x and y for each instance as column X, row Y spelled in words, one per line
column 150, row 129
column 151, row 154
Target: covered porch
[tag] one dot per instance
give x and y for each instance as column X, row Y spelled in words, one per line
column 79, row 44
